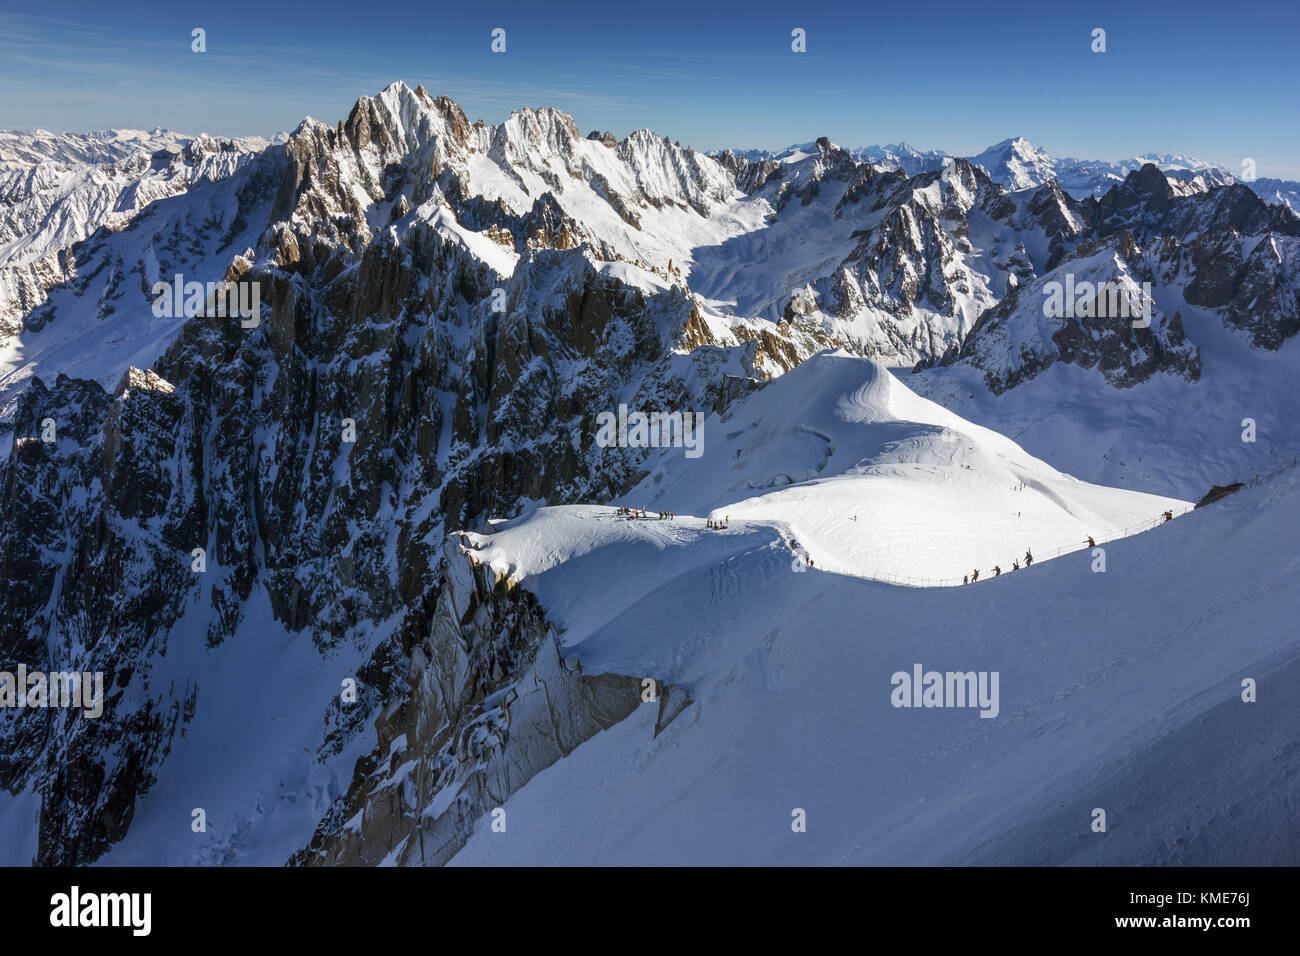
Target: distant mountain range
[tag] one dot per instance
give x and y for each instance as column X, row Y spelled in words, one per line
column 1018, row 164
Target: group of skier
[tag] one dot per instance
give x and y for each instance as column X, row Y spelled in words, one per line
column 632, row 513
column 1029, row 557
column 997, row 568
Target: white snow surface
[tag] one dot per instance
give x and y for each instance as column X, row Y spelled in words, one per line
column 1118, row 690
column 864, row 475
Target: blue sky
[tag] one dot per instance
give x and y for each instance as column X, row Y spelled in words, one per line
column 1187, row 77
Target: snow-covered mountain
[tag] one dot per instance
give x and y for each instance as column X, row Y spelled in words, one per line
column 740, row 630
column 34, row 147
column 1016, row 164
column 395, row 476
column 1164, row 407
column 1280, row 192
column 893, row 156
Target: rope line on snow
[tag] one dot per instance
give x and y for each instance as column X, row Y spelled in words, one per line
column 914, row 582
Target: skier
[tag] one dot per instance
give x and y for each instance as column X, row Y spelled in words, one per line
column 1029, row 558
column 1169, row 516
column 997, row 570
column 965, row 579
column 1015, row 565
column 976, row 575
column 1091, row 543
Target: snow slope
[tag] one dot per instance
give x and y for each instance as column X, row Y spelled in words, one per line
column 1119, row 690
column 1164, row 435
column 191, row 218
column 842, row 458
column 253, row 757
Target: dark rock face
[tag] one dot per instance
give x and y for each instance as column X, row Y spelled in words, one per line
column 247, row 457
column 85, row 594
column 1238, row 259
column 489, row 703
column 1252, row 284
column 750, row 176
column 397, row 388
column 1125, row 355
column 1217, row 492
column 1121, row 347
column 1146, row 205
